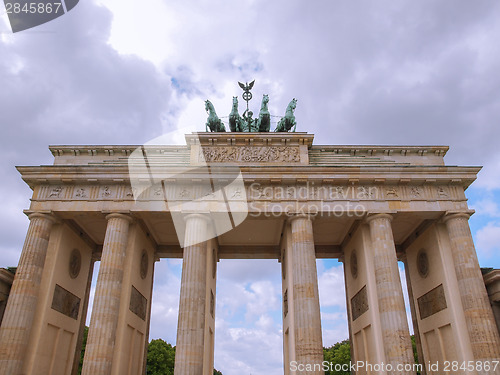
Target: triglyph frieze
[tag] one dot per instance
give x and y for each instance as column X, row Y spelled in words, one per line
column 253, row 191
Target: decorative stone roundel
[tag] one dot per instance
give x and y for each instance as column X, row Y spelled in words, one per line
column 354, row 264
column 75, row 263
column 144, row 264
column 422, row 263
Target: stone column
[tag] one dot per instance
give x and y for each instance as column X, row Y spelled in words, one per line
column 307, row 318
column 392, row 312
column 191, row 324
column 21, row 307
column 102, row 331
column 479, row 317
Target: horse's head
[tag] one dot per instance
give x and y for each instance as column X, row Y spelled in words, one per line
column 293, row 103
column 265, row 99
column 209, row 107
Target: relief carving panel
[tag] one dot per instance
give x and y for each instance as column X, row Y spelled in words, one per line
column 138, row 303
column 359, row 303
column 65, row 302
column 432, row 302
column 287, row 154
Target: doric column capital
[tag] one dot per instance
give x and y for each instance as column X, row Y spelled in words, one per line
column 381, row 215
column 205, row 217
column 457, row 214
column 48, row 215
column 119, row 215
column 293, row 217
column 198, row 229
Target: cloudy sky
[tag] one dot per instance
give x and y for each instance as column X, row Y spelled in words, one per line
column 364, row 72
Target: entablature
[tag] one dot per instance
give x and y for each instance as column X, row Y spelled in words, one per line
column 343, row 175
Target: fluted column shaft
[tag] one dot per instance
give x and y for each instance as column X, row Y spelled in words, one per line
column 21, row 307
column 479, row 317
column 395, row 332
column 191, row 324
column 102, row 332
column 307, row 318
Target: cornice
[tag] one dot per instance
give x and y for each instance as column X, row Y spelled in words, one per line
column 384, row 175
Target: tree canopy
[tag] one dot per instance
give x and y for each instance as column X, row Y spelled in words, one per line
column 337, row 354
column 161, row 358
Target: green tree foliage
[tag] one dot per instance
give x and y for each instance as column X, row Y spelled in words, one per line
column 338, row 354
column 414, row 347
column 84, row 344
column 161, row 358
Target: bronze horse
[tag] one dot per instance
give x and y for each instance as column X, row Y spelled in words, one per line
column 235, row 120
column 213, row 121
column 288, row 122
column 264, row 120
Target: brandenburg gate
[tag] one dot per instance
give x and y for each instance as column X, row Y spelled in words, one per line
column 227, row 195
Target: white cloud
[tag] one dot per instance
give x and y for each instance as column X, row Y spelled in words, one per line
column 165, row 306
column 488, row 178
column 487, row 206
column 335, row 335
column 488, row 240
column 256, row 350
column 248, row 318
column 332, row 287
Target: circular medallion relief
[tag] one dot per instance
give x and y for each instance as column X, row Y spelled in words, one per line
column 354, row 264
column 75, row 263
column 422, row 263
column 144, row 264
